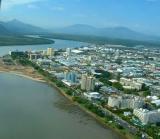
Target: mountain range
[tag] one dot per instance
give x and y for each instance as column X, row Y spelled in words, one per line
column 110, row 32
column 18, row 27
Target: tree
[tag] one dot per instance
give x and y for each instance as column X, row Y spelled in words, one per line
column 146, row 93
column 144, row 87
column 118, row 61
column 118, row 86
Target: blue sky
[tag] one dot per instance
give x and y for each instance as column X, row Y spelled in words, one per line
column 140, row 15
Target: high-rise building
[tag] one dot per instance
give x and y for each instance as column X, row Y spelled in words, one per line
column 71, row 77
column 68, row 51
column 126, row 101
column 146, row 116
column 90, row 85
column 83, row 81
column 87, row 83
column 50, row 52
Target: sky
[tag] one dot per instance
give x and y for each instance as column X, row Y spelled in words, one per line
column 139, row 15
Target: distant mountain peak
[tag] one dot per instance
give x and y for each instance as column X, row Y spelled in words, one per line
column 121, row 27
column 19, row 27
column 3, row 30
column 81, row 25
column 109, row 32
column 16, row 21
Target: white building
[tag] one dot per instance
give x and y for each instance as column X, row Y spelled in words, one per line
column 92, row 95
column 42, row 62
column 156, row 102
column 68, row 51
column 146, row 116
column 114, row 101
column 130, row 84
column 126, row 101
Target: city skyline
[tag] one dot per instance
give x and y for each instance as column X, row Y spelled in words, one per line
column 107, row 13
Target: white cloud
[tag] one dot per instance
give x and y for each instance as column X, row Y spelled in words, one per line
column 57, row 8
column 7, row 4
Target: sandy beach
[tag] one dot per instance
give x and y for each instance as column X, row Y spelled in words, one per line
column 25, row 76
column 23, row 71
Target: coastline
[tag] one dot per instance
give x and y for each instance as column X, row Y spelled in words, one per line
column 11, row 40
column 23, row 75
column 60, row 91
column 93, row 115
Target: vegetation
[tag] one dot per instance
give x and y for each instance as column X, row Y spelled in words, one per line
column 144, row 88
column 146, row 91
column 104, row 77
column 89, row 105
column 22, row 40
column 118, row 61
column 152, row 130
column 118, row 86
column 102, row 40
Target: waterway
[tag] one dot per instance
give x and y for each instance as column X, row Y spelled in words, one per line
column 59, row 44
column 34, row 110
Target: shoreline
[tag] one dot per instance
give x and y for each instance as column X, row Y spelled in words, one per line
column 24, row 40
column 23, row 75
column 14, row 45
column 93, row 115
column 61, row 92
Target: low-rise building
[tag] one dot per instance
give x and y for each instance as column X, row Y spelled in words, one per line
column 34, row 56
column 109, row 90
column 44, row 62
column 130, row 84
column 18, row 53
column 92, row 95
column 155, row 90
column 114, row 101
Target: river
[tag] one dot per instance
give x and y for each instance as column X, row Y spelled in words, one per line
column 58, row 44
column 33, row 110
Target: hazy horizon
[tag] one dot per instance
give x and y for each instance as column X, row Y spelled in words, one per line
column 138, row 15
